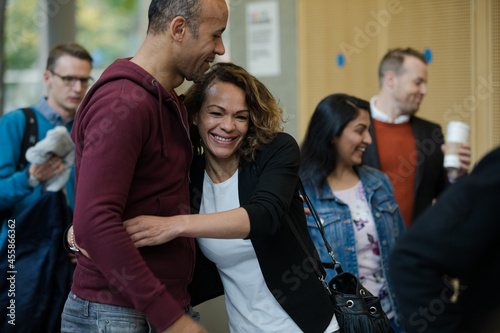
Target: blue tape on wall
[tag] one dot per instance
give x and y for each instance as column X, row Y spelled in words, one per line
column 428, row 55
column 340, row 60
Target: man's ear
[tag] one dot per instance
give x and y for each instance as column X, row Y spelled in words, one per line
column 178, row 28
column 389, row 78
column 47, row 77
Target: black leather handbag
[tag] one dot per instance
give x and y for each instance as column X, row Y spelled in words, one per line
column 356, row 309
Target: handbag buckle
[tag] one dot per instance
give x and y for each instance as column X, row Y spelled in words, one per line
column 322, row 279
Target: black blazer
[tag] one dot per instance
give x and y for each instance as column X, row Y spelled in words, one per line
column 455, row 239
column 268, row 190
column 430, row 178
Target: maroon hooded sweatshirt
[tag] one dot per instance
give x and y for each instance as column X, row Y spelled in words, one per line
column 133, row 155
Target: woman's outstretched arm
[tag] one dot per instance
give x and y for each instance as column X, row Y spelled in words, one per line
column 154, row 230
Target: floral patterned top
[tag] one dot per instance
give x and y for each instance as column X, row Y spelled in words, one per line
column 371, row 274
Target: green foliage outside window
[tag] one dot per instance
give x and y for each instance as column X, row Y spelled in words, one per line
column 106, row 27
column 21, row 34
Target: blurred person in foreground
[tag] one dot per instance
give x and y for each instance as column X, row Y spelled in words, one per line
column 445, row 269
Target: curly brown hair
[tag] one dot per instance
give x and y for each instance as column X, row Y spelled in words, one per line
column 266, row 116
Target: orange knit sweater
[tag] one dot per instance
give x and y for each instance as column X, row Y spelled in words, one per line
column 397, row 152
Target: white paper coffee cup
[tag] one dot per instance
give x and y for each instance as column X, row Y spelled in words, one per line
column 457, row 133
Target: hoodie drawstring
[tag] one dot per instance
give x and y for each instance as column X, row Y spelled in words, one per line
column 160, row 113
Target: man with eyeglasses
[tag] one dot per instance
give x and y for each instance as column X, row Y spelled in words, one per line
column 22, row 185
column 67, row 77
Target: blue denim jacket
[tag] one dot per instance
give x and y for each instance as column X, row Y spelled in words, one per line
column 337, row 222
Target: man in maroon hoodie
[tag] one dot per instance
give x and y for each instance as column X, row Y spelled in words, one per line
column 133, row 155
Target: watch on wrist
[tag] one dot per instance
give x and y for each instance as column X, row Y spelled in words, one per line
column 72, row 245
column 32, row 180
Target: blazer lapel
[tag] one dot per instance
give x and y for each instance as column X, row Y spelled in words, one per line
column 370, row 157
column 246, row 182
column 419, row 134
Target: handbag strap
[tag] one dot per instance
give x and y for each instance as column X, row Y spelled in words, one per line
column 335, row 264
column 308, row 254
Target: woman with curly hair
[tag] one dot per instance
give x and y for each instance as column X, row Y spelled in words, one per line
column 244, row 194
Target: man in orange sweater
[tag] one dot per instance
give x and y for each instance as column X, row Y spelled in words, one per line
column 407, row 148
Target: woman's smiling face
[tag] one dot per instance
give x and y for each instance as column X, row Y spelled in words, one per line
column 353, row 140
column 223, row 120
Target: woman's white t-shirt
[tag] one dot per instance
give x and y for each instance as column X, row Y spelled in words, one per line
column 250, row 305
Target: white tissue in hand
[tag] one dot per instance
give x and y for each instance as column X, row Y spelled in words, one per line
column 59, row 143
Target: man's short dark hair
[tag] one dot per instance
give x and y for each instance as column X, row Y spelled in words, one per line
column 162, row 12
column 71, row 49
column 393, row 61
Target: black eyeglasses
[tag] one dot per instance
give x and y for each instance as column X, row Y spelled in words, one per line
column 71, row 80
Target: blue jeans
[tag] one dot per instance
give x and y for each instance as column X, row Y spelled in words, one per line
column 81, row 316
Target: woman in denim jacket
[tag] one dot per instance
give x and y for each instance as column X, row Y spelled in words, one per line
column 355, row 202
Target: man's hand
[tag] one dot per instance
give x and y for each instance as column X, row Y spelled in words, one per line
column 464, row 155
column 185, row 324
column 72, row 258
column 47, row 170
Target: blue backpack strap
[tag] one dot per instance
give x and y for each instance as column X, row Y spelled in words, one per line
column 30, row 136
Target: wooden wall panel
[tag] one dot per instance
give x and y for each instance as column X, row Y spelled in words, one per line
column 462, row 35
column 444, row 27
column 324, row 28
column 495, row 72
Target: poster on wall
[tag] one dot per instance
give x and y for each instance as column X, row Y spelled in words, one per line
column 263, row 38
